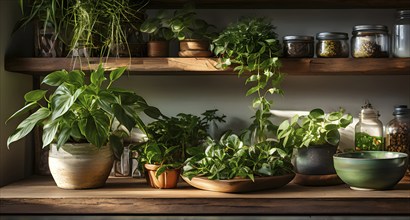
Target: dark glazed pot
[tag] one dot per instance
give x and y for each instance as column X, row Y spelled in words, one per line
column 315, row 160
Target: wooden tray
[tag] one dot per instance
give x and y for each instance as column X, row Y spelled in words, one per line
column 240, row 185
column 317, row 180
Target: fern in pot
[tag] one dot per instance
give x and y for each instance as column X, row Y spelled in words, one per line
column 77, row 121
column 315, row 138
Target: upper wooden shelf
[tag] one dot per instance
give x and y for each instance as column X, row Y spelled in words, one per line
column 40, row 195
column 283, row 4
column 207, row 66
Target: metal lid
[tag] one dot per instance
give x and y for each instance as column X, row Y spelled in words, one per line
column 332, row 36
column 370, row 27
column 403, row 13
column 298, row 37
column 401, row 110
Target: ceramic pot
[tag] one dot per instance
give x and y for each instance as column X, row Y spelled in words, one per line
column 158, row 48
column 315, row 160
column 80, row 166
column 194, row 48
column 167, row 180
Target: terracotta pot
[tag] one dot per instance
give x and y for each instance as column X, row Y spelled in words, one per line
column 194, row 44
column 158, row 48
column 167, row 180
column 315, row 160
column 80, row 166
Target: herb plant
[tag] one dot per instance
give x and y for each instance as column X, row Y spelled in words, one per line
column 251, row 45
column 317, row 128
column 231, row 158
column 169, row 139
column 82, row 112
column 158, row 27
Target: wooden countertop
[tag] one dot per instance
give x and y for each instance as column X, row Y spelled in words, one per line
column 39, row 195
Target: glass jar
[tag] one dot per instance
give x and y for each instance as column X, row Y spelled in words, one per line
column 369, row 130
column 370, row 41
column 332, row 44
column 298, row 46
column 401, row 34
column 398, row 130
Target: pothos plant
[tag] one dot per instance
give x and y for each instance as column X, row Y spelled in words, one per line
column 316, row 128
column 251, row 45
column 78, row 111
column 158, row 27
column 170, row 137
column 232, row 158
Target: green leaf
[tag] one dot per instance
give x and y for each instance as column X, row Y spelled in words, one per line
column 334, row 116
column 23, row 110
column 35, row 95
column 63, row 136
column 344, row 122
column 117, row 73
column 152, row 112
column 62, row 101
column 49, row 132
column 160, row 171
column 316, row 113
column 171, row 150
column 333, row 137
column 331, row 127
column 28, row 124
column 177, row 26
column 97, row 76
column 97, row 128
column 76, row 77
column 252, row 90
column 123, row 117
column 56, row 78
column 150, row 25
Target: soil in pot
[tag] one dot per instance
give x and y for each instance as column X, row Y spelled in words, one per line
column 167, row 180
column 80, row 166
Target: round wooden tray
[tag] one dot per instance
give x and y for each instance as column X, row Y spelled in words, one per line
column 239, row 185
column 317, row 180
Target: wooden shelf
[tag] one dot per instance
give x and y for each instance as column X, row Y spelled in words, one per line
column 206, row 66
column 281, row 4
column 39, row 195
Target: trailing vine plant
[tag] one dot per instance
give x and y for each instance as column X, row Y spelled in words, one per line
column 251, row 45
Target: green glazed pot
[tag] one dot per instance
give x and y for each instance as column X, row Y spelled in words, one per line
column 371, row 170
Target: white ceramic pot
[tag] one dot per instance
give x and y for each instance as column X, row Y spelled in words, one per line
column 80, row 166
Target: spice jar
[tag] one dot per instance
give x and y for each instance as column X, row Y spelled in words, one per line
column 332, row 44
column 398, row 130
column 369, row 130
column 298, row 46
column 401, row 34
column 370, row 41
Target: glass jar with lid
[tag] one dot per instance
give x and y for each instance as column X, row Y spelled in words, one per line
column 398, row 130
column 401, row 34
column 296, row 46
column 332, row 45
column 369, row 130
column 370, row 41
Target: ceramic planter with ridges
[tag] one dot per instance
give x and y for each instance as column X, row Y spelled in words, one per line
column 80, row 166
column 167, row 180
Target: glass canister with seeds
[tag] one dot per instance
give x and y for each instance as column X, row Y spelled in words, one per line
column 398, row 130
column 370, row 41
column 297, row 46
column 332, row 45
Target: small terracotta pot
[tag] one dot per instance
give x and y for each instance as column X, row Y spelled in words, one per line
column 194, row 44
column 158, row 48
column 167, row 180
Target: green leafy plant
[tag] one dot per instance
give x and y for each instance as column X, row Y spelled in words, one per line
column 185, row 25
column 169, row 139
column 231, row 158
column 82, row 112
column 158, row 27
column 251, row 45
column 316, row 128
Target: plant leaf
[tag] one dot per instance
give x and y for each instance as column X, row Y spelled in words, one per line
column 35, row 95
column 97, row 128
column 97, row 76
column 23, row 110
column 49, row 132
column 117, row 73
column 56, row 78
column 123, row 117
column 28, row 124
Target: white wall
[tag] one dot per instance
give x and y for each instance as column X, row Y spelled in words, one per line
column 195, row 94
column 15, row 163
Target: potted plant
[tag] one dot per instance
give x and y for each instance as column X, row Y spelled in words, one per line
column 168, row 140
column 159, row 33
column 233, row 165
column 194, row 34
column 315, row 138
column 77, row 121
column 251, row 45
column 47, row 16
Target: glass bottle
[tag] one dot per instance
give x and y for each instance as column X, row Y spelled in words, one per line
column 369, row 130
column 398, row 130
column 332, row 45
column 370, row 41
column 401, row 34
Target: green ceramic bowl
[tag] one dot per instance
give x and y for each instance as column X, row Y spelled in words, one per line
column 371, row 170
